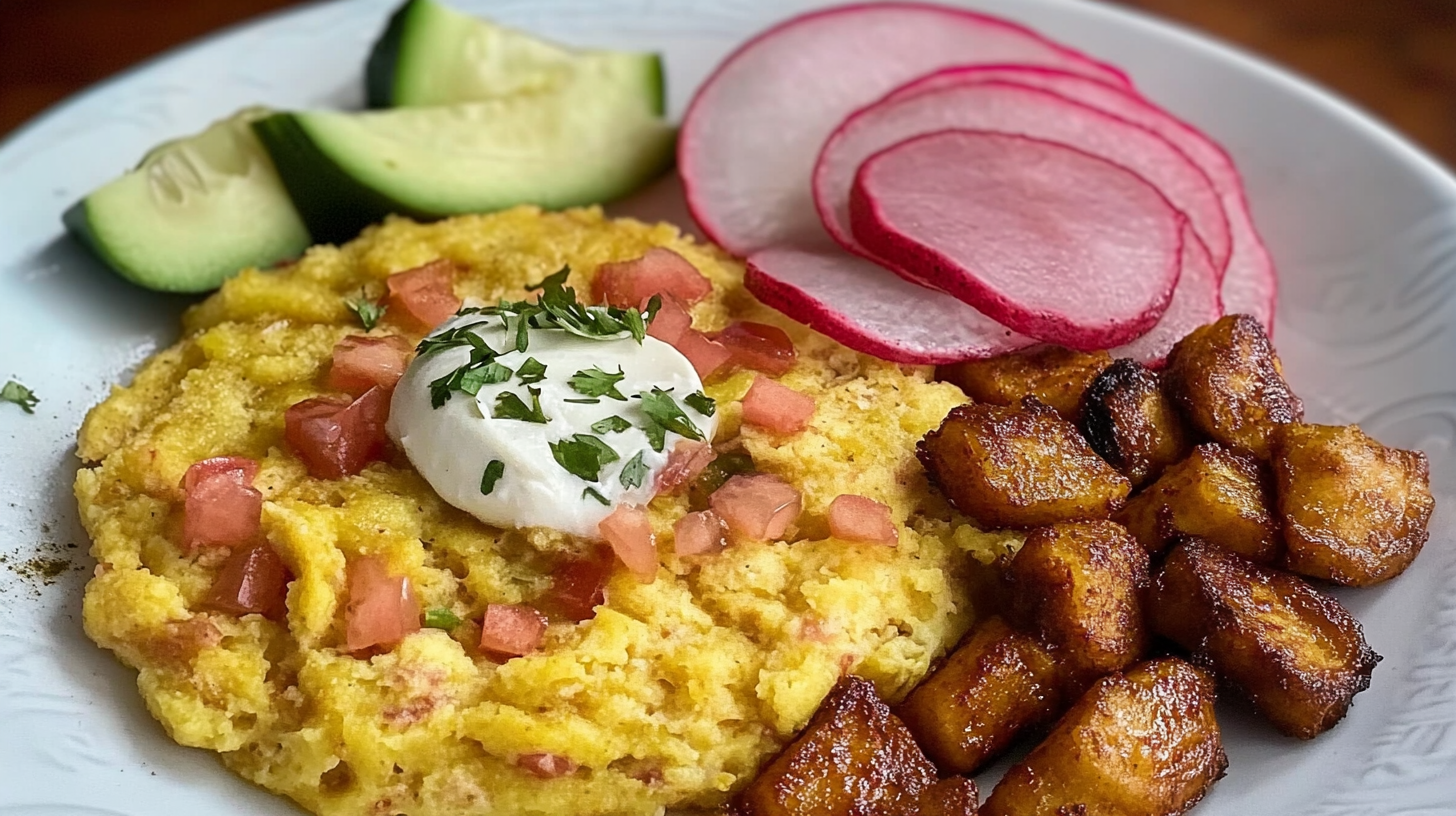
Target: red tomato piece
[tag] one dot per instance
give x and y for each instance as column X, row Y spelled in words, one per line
column 672, row 321
column 857, row 518
column 578, row 587
column 630, row 535
column 684, row 464
column 512, row 630
column 700, row 533
column 424, row 297
column 361, row 363
column 776, row 407
column 382, row 607
column 336, row 437
column 707, row 355
column 546, row 766
column 759, row 346
column 760, row 507
column 221, row 508
column 253, row 581
column 659, row 272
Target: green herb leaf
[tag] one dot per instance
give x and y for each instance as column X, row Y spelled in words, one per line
column 441, row 619
column 663, row 410
column 510, row 406
column 493, row 473
column 555, row 280
column 531, row 371
column 634, row 472
column 450, row 338
column 656, row 434
column 369, row 312
column 612, row 424
column 587, row 401
column 583, row 455
column 702, row 403
column 473, row 379
column 20, row 395
column 592, row 492
column 594, row 382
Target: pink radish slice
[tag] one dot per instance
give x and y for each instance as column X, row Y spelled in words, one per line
column 749, row 138
column 1249, row 281
column 1043, row 238
column 1195, row 303
column 1020, row 110
column 863, row 306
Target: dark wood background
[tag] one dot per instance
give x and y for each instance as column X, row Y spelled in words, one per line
column 1395, row 57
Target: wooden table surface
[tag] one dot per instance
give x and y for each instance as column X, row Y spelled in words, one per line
column 1395, row 57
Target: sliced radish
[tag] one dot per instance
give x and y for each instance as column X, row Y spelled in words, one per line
column 1195, row 303
column 751, row 133
column 1249, row 282
column 863, row 306
column 1020, row 110
column 1044, row 238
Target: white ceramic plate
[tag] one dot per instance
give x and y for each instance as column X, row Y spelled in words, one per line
column 1363, row 227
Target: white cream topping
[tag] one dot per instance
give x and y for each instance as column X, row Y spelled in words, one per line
column 452, row 445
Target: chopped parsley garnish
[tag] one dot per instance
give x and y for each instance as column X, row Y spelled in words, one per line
column 441, row 619
column 493, row 473
column 450, row 338
column 702, row 403
column 583, row 455
column 587, row 401
column 612, row 424
column 20, row 395
column 474, row 379
column 664, row 414
column 368, row 311
column 594, row 382
column 634, row 472
column 511, row 406
column 532, row 371
column 557, row 307
column 592, row 492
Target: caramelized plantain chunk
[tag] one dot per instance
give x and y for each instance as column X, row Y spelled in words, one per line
column 1295, row 653
column 1354, row 511
column 997, row 682
column 1215, row 494
column 1053, row 374
column 1230, row 385
column 1020, row 466
column 1143, row 743
column 854, row 758
column 1079, row 589
column 1132, row 424
column 952, row 796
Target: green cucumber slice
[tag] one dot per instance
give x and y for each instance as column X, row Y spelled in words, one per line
column 582, row 144
column 431, row 54
column 194, row 212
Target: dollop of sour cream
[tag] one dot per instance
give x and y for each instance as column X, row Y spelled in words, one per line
column 453, row 445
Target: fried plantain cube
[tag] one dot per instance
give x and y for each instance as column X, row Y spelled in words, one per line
column 1079, row 589
column 997, row 682
column 854, row 757
column 1143, row 743
column 1131, row 423
column 1355, row 512
column 1295, row 653
column 1215, row 494
column 1021, row 466
column 1053, row 374
column 952, row 796
column 1230, row 385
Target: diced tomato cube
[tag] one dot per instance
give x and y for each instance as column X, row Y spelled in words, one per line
column 336, row 437
column 759, row 347
column 546, row 766
column 684, row 465
column 382, row 607
column 700, row 533
column 759, row 507
column 629, row 284
column 361, row 363
column 512, row 630
column 253, row 581
column 707, row 355
column 630, row 535
column 776, row 407
column 857, row 518
column 672, row 321
column 578, row 586
column 424, row 297
column 221, row 508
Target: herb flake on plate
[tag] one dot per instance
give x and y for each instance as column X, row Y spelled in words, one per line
column 20, row 395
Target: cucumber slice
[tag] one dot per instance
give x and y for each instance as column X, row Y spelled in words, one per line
column 583, row 144
column 431, row 54
column 194, row 212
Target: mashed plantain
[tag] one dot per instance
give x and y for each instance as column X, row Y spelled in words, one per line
column 672, row 695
